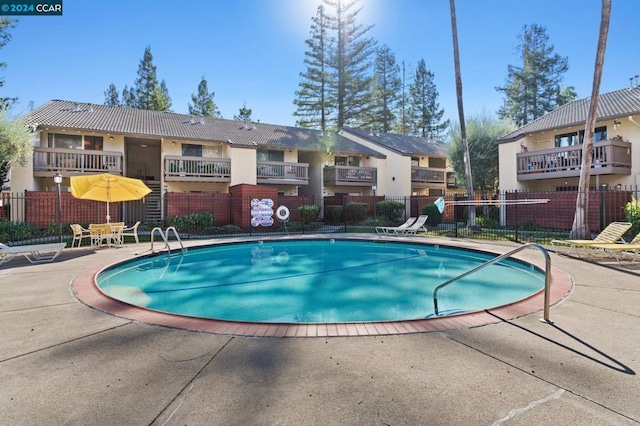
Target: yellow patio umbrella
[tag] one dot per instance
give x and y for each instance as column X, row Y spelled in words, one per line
column 109, row 188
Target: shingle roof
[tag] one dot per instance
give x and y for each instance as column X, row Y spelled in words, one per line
column 402, row 144
column 147, row 123
column 619, row 103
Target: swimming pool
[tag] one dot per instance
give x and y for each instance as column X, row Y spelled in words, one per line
column 318, row 281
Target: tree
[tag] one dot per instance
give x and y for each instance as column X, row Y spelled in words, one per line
column 351, row 65
column 311, row 100
column 128, row 97
column 5, row 37
column 425, row 109
column 244, row 114
column 386, row 91
column 471, row 220
column 15, row 143
column 203, row 103
column 161, row 101
column 404, row 112
column 147, row 90
column 580, row 228
column 111, row 97
column 533, row 88
column 566, row 95
column 482, row 131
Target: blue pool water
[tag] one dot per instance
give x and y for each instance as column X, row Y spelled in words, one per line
column 311, row 281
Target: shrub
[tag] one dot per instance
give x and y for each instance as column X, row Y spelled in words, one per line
column 333, row 214
column 528, row 225
column 391, row 210
column 308, row 213
column 194, row 223
column 17, row 231
column 356, row 212
column 632, row 212
column 435, row 217
column 487, row 222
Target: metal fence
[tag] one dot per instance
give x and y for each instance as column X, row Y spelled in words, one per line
column 534, row 216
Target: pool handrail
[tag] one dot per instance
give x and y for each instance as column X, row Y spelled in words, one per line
column 547, row 276
column 165, row 237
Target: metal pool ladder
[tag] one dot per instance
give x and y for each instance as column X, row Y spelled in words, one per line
column 165, row 237
column 547, row 276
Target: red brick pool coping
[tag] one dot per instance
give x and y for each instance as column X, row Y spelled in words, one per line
column 85, row 289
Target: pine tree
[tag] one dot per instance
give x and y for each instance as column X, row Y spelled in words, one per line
column 146, row 85
column 425, row 108
column 244, row 114
column 403, row 121
column 111, row 97
column 311, row 99
column 386, row 91
column 5, row 37
column 128, row 97
column 161, row 101
column 203, row 104
column 533, row 88
column 350, row 60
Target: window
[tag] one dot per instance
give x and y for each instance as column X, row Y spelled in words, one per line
column 415, row 161
column 269, row 155
column 93, row 143
column 570, row 139
column 191, row 150
column 58, row 140
column 343, row 160
column 566, row 139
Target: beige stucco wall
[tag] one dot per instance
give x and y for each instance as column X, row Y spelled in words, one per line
column 243, row 165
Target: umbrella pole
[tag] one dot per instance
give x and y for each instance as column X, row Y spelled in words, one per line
column 108, row 217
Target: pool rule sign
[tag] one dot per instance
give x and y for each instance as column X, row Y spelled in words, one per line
column 261, row 212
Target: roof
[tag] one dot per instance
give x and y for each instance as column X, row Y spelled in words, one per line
column 402, row 144
column 159, row 124
column 619, row 103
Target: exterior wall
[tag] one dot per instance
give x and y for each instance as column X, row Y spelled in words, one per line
column 243, row 166
column 629, row 130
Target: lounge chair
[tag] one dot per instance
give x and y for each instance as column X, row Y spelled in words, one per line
column 611, row 234
column 392, row 230
column 620, row 250
column 34, row 253
column 79, row 233
column 417, row 226
column 131, row 231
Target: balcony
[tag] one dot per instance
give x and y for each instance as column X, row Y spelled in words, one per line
column 350, row 176
column 425, row 177
column 280, row 173
column 72, row 162
column 610, row 157
column 196, row 169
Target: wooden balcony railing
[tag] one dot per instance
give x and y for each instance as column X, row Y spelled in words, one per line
column 196, row 169
column 350, row 176
column 426, row 176
column 48, row 161
column 277, row 172
column 610, row 157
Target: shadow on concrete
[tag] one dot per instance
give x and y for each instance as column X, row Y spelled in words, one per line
column 618, row 366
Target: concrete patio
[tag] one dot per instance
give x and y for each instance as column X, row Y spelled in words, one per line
column 62, row 362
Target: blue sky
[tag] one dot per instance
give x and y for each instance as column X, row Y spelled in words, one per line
column 253, row 50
